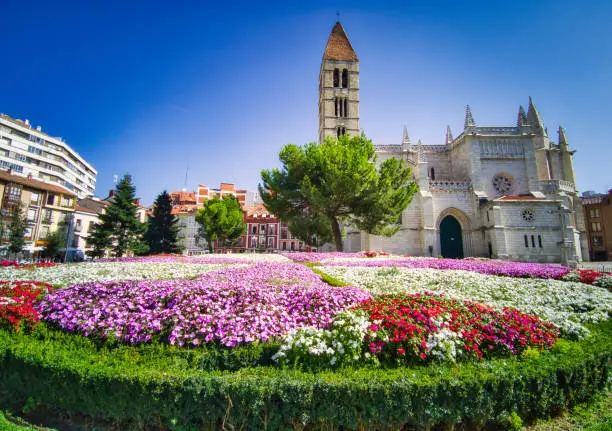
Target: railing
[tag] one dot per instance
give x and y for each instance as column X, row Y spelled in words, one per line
column 557, row 185
column 449, row 185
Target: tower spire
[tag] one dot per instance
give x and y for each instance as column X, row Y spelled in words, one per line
column 469, row 120
column 406, row 138
column 521, row 119
column 338, row 46
column 449, row 135
column 533, row 118
column 563, row 145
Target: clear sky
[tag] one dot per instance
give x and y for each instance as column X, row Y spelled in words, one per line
column 153, row 88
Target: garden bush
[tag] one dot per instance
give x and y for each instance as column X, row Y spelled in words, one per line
column 161, row 386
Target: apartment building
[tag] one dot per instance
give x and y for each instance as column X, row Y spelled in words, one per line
column 44, row 206
column 27, row 151
column 204, row 193
column 598, row 216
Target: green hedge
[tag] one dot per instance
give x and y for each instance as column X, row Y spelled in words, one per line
column 166, row 387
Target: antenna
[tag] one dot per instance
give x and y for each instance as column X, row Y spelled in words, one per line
column 186, row 173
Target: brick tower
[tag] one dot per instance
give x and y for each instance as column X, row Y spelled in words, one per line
column 338, row 87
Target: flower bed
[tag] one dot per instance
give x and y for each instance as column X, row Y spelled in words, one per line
column 490, row 267
column 232, row 306
column 569, row 306
column 416, row 328
column 230, row 258
column 300, row 256
column 67, row 274
column 589, row 276
column 13, row 264
column 17, row 303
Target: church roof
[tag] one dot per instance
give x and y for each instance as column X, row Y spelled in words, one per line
column 338, row 46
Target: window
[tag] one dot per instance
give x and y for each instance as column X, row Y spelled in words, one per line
column 345, row 108
column 31, row 215
column 34, row 198
column 50, row 199
column 66, row 201
column 597, row 241
column 284, row 246
column 532, row 241
column 344, row 78
column 502, row 184
column 254, row 229
column 91, row 227
column 596, row 226
column 540, row 240
column 336, row 78
column 526, row 242
column 14, row 193
column 270, row 242
column 27, row 234
column 341, row 131
column 48, row 217
column 271, row 230
column 432, row 174
column 341, row 107
column 44, row 231
column 594, row 213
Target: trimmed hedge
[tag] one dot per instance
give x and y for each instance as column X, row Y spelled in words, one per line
column 158, row 386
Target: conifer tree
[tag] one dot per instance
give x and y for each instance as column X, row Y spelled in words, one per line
column 17, row 229
column 162, row 229
column 322, row 187
column 119, row 227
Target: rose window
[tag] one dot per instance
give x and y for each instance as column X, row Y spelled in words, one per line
column 502, row 184
column 528, row 214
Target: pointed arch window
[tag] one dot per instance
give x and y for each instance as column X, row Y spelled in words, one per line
column 340, row 131
column 432, row 175
column 344, row 78
column 345, row 112
column 336, row 78
column 340, row 107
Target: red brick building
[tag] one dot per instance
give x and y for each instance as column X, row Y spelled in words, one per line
column 598, row 218
column 204, row 193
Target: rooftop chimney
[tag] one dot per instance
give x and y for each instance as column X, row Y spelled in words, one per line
column 27, row 122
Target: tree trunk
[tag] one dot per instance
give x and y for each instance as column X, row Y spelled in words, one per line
column 337, row 234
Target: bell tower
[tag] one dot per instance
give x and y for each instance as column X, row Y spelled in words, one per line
column 338, row 87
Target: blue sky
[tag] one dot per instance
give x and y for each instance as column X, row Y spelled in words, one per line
column 152, row 88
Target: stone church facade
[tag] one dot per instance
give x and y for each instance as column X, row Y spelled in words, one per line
column 502, row 192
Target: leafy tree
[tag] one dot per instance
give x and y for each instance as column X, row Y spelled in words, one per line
column 119, row 227
column 162, row 229
column 55, row 241
column 17, row 228
column 221, row 220
column 321, row 187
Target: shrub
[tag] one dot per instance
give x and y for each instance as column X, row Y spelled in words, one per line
column 160, row 386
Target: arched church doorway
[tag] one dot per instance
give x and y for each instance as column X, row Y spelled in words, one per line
column 451, row 242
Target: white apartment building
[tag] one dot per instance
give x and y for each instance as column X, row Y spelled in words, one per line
column 26, row 150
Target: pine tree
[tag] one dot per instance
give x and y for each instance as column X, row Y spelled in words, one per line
column 17, row 229
column 162, row 229
column 119, row 227
column 322, row 187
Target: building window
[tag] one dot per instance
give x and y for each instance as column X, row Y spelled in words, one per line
column 14, row 193
column 341, row 131
column 596, row 226
column 502, row 184
column 271, row 230
column 34, row 198
column 50, row 199
column 31, row 217
column 526, row 242
column 532, row 241
column 48, row 217
column 594, row 212
column 540, row 240
column 336, row 78
column 597, row 241
column 254, row 229
column 44, row 231
column 432, row 174
column 344, row 78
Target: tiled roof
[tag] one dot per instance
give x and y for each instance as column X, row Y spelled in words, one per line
column 338, row 46
column 184, row 209
column 90, row 205
column 85, row 210
column 35, row 184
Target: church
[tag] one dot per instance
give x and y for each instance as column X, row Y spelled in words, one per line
column 499, row 192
